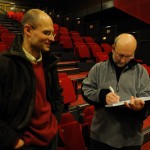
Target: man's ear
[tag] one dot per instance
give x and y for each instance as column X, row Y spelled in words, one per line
column 27, row 30
column 113, row 48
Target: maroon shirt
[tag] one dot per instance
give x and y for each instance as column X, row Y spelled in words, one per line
column 43, row 126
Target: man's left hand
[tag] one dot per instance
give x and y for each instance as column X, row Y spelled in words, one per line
column 135, row 104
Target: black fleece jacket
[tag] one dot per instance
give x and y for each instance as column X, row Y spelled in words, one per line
column 17, row 92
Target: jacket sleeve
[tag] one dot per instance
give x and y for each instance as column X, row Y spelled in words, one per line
column 90, row 90
column 56, row 98
column 8, row 136
column 144, row 91
column 59, row 103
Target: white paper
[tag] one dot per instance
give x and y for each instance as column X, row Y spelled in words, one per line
column 128, row 101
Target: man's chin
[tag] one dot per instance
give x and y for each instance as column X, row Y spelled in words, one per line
column 121, row 65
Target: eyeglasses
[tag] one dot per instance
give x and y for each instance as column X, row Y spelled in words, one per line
column 122, row 56
column 45, row 32
column 49, row 33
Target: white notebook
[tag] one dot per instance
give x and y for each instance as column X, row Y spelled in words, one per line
column 122, row 102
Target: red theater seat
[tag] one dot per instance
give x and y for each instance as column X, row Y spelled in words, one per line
column 146, row 146
column 62, row 75
column 87, row 114
column 106, row 47
column 147, row 68
column 101, row 57
column 66, row 42
column 88, row 111
column 94, row 49
column 77, row 40
column 7, row 38
column 67, row 117
column 63, row 31
column 88, row 39
column 82, row 51
column 74, row 34
column 3, row 47
column 72, row 136
column 3, row 30
column 68, row 90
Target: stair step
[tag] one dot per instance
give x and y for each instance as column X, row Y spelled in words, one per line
column 78, row 77
column 67, row 63
column 69, row 70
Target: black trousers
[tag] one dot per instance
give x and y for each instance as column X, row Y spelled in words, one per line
column 52, row 146
column 96, row 145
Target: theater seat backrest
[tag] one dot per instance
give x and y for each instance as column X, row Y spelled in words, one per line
column 72, row 136
column 68, row 90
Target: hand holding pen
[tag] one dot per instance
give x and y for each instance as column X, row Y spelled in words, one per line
column 112, row 97
column 135, row 103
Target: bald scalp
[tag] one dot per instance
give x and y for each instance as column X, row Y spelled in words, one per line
column 33, row 17
column 125, row 40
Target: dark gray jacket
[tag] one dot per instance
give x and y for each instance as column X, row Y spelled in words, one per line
column 117, row 126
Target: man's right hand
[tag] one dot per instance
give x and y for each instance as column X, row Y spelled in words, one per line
column 112, row 98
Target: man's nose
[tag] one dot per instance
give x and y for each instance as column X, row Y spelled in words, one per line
column 123, row 59
column 52, row 38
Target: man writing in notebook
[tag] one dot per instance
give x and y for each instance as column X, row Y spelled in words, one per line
column 118, row 128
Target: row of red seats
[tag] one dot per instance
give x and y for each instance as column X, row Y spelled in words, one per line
column 82, row 50
column 74, row 134
column 92, row 50
column 64, row 31
column 15, row 15
column 84, row 47
column 69, row 128
column 6, row 38
column 68, row 38
column 69, row 42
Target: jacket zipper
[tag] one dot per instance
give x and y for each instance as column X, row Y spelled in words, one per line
column 117, row 87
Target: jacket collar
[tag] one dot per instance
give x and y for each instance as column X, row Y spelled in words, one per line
column 32, row 58
column 16, row 49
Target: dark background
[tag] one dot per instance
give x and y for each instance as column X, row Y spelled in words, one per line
column 101, row 18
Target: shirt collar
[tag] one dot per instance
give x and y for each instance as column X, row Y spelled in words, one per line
column 32, row 58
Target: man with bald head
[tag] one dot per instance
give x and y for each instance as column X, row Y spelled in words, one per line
column 118, row 128
column 31, row 101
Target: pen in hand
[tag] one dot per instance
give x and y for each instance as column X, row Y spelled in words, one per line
column 111, row 89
